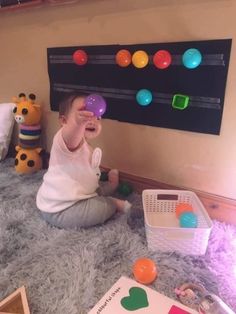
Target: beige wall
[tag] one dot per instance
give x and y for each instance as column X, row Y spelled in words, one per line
column 199, row 161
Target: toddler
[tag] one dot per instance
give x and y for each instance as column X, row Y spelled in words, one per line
column 69, row 196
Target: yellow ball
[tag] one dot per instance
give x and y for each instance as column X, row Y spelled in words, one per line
column 140, row 59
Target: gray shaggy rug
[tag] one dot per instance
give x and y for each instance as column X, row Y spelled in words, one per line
column 69, row 271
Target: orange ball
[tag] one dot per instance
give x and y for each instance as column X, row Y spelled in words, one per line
column 144, row 270
column 182, row 208
column 123, row 58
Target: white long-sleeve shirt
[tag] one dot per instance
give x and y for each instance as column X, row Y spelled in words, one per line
column 71, row 176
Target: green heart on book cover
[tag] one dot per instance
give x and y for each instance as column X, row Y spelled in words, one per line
column 137, row 299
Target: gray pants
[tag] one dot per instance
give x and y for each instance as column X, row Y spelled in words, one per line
column 85, row 213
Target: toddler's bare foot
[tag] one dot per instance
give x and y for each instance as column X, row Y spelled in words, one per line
column 113, row 178
column 121, row 205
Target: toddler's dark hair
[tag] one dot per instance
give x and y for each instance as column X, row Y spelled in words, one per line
column 66, row 103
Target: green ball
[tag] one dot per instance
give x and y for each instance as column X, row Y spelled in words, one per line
column 125, row 189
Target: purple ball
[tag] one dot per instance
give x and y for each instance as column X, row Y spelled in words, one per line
column 96, row 104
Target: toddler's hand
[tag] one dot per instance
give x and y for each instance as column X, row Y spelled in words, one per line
column 83, row 117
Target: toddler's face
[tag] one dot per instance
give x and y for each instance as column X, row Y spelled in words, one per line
column 93, row 127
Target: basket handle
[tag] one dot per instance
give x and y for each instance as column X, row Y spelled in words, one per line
column 167, row 197
column 178, row 235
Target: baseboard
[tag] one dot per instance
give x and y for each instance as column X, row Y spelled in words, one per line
column 218, row 207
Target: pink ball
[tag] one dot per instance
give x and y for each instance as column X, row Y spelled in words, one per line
column 80, row 57
column 162, row 59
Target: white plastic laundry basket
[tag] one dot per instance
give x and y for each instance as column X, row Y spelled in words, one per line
column 162, row 226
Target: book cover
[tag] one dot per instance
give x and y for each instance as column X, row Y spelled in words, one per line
column 127, row 296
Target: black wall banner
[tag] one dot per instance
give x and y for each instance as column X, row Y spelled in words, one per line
column 183, row 97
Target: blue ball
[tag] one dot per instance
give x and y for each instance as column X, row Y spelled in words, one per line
column 144, row 97
column 192, row 58
column 188, row 220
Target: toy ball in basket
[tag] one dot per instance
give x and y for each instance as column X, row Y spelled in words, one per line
column 176, row 220
column 187, row 218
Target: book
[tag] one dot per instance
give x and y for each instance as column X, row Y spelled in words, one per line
column 127, row 296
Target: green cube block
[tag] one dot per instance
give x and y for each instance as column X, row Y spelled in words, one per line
column 180, row 101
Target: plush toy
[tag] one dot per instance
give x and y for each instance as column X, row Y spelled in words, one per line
column 28, row 160
column 28, row 114
column 26, row 110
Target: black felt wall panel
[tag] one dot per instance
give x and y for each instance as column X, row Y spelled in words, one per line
column 203, row 81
